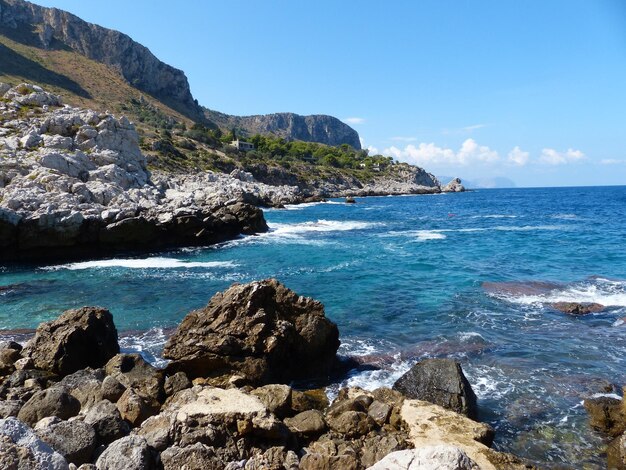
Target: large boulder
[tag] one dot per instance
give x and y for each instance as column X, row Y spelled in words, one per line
column 75, row 440
column 454, row 186
column 20, row 449
column 606, row 414
column 127, row 453
column 54, row 401
column 578, row 308
column 133, row 372
column 439, row 381
column 85, row 337
column 262, row 330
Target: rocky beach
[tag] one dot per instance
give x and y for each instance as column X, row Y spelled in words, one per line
column 70, row 399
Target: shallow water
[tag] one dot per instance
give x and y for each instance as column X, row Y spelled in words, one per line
column 403, row 278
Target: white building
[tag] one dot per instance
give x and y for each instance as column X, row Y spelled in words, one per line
column 241, row 145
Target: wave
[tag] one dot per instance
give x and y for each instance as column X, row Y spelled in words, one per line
column 439, row 234
column 429, row 235
column 320, row 226
column 145, row 263
column 494, row 216
column 304, row 205
column 609, row 293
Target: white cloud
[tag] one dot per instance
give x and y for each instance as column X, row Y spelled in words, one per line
column 612, row 161
column 371, row 150
column 518, row 157
column 552, row 157
column 404, row 139
column 354, row 120
column 474, row 127
column 430, row 154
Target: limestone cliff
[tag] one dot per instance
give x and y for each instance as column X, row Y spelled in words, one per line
column 315, row 128
column 53, row 28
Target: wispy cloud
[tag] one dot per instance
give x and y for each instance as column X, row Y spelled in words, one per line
column 612, row 161
column 553, row 157
column 463, row 130
column 354, row 120
column 431, row 154
column 518, row 157
column 404, row 139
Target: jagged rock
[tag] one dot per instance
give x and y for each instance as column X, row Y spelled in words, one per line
column 157, row 430
column 194, row 457
column 133, row 372
column 85, row 385
column 133, row 408
column 54, row 401
column 80, row 338
column 439, row 381
column 350, row 423
column 453, row 186
column 23, row 384
column 307, row 423
column 260, row 330
column 106, row 420
column 128, row 453
column 606, row 414
column 9, row 354
column 20, row 449
column 74, row 440
column 442, row 457
column 578, row 308
column 276, row 398
column 175, row 383
column 10, row 408
column 303, row 400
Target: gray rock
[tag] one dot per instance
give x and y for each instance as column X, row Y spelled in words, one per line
column 80, row 338
column 351, row 423
column 439, row 381
column 75, row 440
column 453, row 186
column 20, row 449
column 10, row 408
column 85, row 385
column 276, row 398
column 112, row 389
column 194, row 457
column 441, row 457
column 106, row 420
column 133, row 372
column 128, row 453
column 54, row 401
column 175, row 383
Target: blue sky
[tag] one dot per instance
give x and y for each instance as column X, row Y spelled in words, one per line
column 531, row 90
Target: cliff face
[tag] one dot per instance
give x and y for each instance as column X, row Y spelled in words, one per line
column 315, row 128
column 43, row 27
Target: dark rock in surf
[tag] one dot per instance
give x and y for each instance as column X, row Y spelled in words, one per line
column 439, row 381
column 85, row 337
column 578, row 308
column 262, row 331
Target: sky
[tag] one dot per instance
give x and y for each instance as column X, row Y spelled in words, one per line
column 533, row 90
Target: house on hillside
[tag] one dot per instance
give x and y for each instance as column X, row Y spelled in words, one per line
column 242, row 146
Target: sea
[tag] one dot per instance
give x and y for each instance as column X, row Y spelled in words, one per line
column 471, row 276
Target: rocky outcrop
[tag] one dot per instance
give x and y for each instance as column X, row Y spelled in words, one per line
column 74, row 182
column 454, row 186
column 57, row 28
column 316, row 128
column 80, row 338
column 578, row 308
column 439, row 381
column 261, row 331
column 20, row 448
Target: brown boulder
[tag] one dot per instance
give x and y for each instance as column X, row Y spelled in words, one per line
column 261, row 330
column 85, row 337
column 132, row 371
column 606, row 415
column 307, row 423
column 54, row 401
column 577, row 308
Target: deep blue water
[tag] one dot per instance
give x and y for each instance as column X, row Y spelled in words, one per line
column 403, row 278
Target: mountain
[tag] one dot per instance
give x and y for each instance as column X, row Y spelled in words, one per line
column 316, row 128
column 92, row 66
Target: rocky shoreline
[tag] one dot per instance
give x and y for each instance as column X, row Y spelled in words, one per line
column 69, row 399
column 74, row 184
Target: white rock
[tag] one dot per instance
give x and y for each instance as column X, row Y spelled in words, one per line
column 24, row 438
column 441, row 457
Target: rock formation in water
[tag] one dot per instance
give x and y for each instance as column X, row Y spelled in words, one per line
column 454, row 186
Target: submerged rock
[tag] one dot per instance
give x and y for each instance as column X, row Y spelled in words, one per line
column 606, row 414
column 578, row 308
column 80, row 338
column 439, row 381
column 262, row 331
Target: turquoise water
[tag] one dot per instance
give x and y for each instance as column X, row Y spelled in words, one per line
column 403, row 278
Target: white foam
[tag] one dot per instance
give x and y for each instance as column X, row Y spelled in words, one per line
column 145, row 263
column 320, row 226
column 304, row 205
column 565, row 216
column 429, row 235
column 608, row 294
column 494, row 216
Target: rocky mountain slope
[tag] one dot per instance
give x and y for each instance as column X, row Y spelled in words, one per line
column 88, row 63
column 316, row 128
